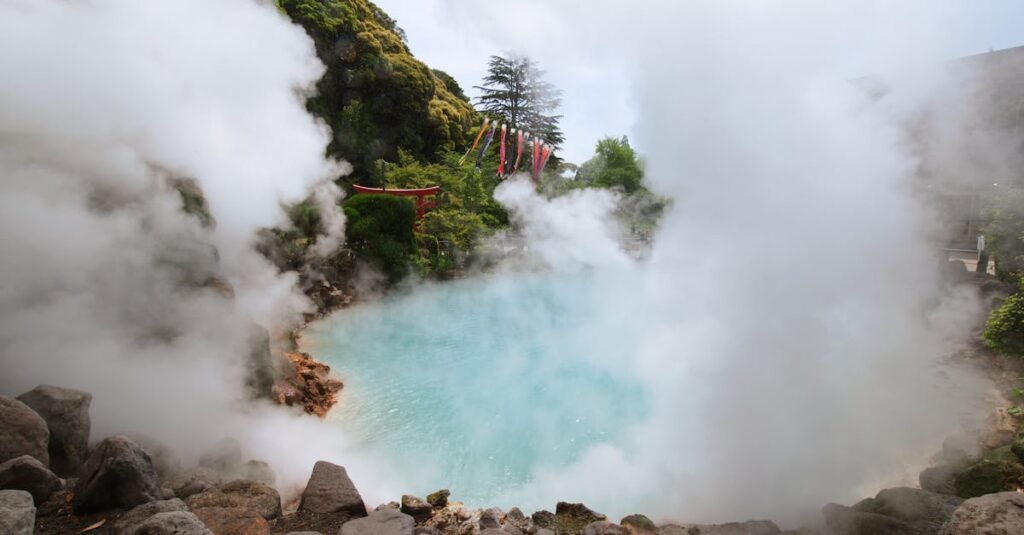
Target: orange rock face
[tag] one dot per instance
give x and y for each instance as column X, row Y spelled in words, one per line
column 307, row 383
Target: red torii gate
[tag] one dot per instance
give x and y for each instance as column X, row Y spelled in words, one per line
column 422, row 204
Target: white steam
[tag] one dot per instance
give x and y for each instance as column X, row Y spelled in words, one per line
column 107, row 285
column 792, row 315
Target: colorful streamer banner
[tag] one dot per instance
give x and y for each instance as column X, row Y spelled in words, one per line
column 487, row 143
column 545, row 153
column 483, row 128
column 536, row 160
column 519, row 150
column 501, row 153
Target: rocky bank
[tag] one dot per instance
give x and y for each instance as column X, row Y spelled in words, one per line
column 53, row 479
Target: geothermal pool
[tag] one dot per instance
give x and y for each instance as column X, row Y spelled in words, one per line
column 478, row 385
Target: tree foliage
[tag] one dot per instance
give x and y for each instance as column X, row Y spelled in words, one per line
column 515, row 91
column 614, row 165
column 379, row 228
column 375, row 96
column 1004, row 234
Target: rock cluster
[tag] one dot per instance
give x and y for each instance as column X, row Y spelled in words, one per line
column 306, row 383
column 119, row 489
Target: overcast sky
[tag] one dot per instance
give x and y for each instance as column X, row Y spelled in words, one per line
column 458, row 36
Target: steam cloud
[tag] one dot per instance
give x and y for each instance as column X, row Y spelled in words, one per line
column 792, row 318
column 106, row 283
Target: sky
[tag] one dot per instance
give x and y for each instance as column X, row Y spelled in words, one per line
column 458, row 36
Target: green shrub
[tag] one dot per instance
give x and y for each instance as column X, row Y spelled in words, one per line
column 379, row 228
column 1004, row 330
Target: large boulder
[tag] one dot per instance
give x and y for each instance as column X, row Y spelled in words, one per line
column 233, row 521
column 330, row 490
column 939, row 479
column 384, row 522
column 993, row 514
column 638, row 524
column 844, row 520
column 418, row 508
column 439, row 498
column 118, row 474
column 751, row 527
column 604, row 527
column 489, row 518
column 569, row 518
column 171, row 523
column 66, row 413
column 244, row 494
column 132, row 519
column 28, row 474
column 923, row 510
column 17, row 513
column 998, row 471
column 22, row 432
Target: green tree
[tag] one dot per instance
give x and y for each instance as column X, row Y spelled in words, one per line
column 515, row 90
column 614, row 165
column 1004, row 234
column 379, row 228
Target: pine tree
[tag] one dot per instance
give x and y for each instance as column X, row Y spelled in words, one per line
column 515, row 91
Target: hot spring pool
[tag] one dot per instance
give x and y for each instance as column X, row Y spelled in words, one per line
column 477, row 385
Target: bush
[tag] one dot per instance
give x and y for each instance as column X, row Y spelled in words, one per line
column 1004, row 330
column 379, row 228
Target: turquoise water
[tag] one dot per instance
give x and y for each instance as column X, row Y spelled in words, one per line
column 476, row 385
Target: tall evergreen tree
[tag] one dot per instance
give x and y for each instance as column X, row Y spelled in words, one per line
column 515, row 90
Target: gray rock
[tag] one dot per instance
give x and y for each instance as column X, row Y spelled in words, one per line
column 543, row 519
column 939, row 478
column 673, row 529
column 260, row 376
column 604, row 527
column 491, row 518
column 544, row 531
column 330, row 490
column 751, row 527
column 22, row 432
column 131, row 520
column 515, row 518
column 241, row 493
column 171, row 523
column 578, row 511
column 637, row 523
column 493, row 531
column 924, row 510
column 383, row 522
column 119, row 474
column 427, row 530
column 201, row 479
column 439, row 498
column 28, row 474
column 303, row 533
column 417, row 508
column 66, row 413
column 992, row 514
column 232, row 521
column 847, row 521
column 17, row 513
column 259, row 471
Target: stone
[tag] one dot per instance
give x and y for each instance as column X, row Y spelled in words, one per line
column 515, row 518
column 604, row 527
column 383, row 522
column 17, row 513
column 848, row 521
column 118, row 474
column 417, row 508
column 638, row 524
column 439, row 498
column 171, row 523
column 66, row 413
column 131, row 520
column 241, row 493
column 233, row 521
column 751, row 527
column 28, row 474
column 259, row 471
column 939, row 479
column 427, row 530
column 330, row 490
column 260, row 376
column 573, row 517
column 543, row 519
column 303, row 533
column 22, row 432
column 924, row 510
column 998, row 471
column 673, row 529
column 993, row 514
column 491, row 518
column 197, row 481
